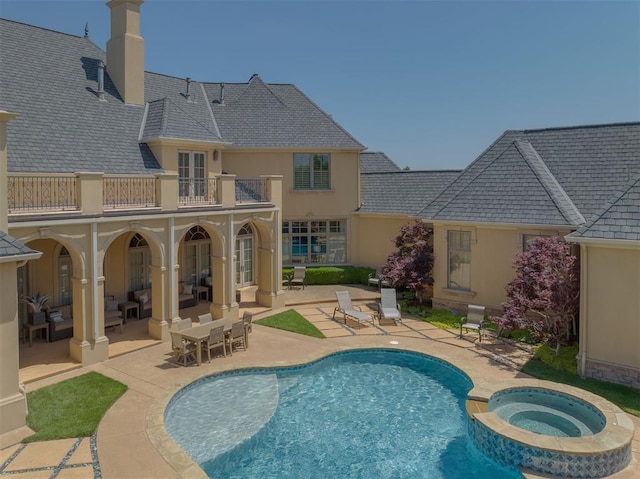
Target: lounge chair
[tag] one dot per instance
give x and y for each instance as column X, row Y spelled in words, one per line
column 216, row 340
column 299, row 277
column 473, row 320
column 348, row 310
column 388, row 307
column 185, row 351
column 205, row 318
column 237, row 336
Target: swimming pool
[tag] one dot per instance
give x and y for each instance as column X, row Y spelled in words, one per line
column 367, row 413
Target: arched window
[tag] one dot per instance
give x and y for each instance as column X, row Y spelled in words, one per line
column 244, row 256
column 196, row 256
column 139, row 263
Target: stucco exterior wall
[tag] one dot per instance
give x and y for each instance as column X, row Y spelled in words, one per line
column 337, row 202
column 610, row 313
column 492, row 252
column 372, row 238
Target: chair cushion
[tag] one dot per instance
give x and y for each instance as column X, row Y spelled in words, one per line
column 112, row 305
column 144, row 298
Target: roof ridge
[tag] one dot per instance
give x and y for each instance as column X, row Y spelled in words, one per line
column 213, row 118
column 43, row 28
column 549, row 182
column 611, row 202
column 185, row 112
column 578, row 127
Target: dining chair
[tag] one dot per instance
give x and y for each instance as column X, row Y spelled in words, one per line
column 247, row 319
column 182, row 350
column 205, row 318
column 237, row 336
column 215, row 340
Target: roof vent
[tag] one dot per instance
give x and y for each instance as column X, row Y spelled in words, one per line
column 188, row 95
column 101, row 81
column 222, row 93
column 86, row 30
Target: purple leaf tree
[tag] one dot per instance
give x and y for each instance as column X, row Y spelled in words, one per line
column 411, row 265
column 544, row 295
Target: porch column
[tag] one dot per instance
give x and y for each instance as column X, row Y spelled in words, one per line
column 158, row 327
column 270, row 292
column 219, row 309
column 89, row 345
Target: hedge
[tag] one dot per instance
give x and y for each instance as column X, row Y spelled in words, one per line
column 334, row 274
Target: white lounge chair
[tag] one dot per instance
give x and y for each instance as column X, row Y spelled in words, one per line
column 348, row 310
column 377, row 279
column 473, row 320
column 388, row 307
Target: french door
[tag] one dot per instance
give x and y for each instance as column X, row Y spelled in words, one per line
column 191, row 175
column 244, row 261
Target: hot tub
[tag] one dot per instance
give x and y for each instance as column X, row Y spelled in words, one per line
column 550, row 428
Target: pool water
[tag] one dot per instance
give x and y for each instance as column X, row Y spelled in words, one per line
column 359, row 414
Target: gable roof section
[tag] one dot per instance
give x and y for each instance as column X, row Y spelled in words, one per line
column 619, row 219
column 171, row 115
column 376, row 162
column 50, row 80
column 402, row 192
column 260, row 115
column 557, row 176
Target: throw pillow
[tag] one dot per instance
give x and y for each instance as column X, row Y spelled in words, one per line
column 112, row 305
column 187, row 289
column 208, row 281
column 144, row 298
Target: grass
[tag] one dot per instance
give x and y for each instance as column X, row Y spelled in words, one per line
column 562, row 369
column 291, row 320
column 71, row 408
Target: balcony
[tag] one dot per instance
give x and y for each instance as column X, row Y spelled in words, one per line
column 97, row 193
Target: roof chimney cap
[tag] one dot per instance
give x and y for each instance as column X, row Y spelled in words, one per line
column 101, row 81
column 86, row 30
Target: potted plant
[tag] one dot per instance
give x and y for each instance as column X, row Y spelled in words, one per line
column 37, row 303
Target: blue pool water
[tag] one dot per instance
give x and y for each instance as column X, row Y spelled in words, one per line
column 359, row 414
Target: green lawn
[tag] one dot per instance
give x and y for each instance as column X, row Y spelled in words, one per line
column 291, row 320
column 71, row 408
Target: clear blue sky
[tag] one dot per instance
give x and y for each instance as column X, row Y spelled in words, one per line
column 432, row 84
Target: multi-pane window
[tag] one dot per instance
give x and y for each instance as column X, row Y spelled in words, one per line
column 139, row 263
column 191, row 174
column 319, row 241
column 197, row 256
column 459, row 253
column 311, row 171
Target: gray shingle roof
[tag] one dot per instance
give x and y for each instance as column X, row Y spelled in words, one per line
column 555, row 176
column 620, row 217
column 50, row 79
column 402, row 192
column 376, row 162
column 260, row 115
column 9, row 246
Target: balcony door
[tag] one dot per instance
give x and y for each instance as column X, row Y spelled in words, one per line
column 244, row 257
column 191, row 175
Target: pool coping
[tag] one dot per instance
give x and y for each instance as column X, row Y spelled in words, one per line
column 618, row 430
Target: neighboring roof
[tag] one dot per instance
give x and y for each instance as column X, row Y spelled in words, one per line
column 50, row 80
column 402, row 192
column 9, row 246
column 619, row 219
column 555, row 176
column 376, row 162
column 261, row 115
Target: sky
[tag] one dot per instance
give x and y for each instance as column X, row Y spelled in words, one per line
column 430, row 83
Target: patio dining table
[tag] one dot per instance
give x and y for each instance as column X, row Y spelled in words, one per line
column 200, row 333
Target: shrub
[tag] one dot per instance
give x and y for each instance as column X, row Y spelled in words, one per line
column 334, row 274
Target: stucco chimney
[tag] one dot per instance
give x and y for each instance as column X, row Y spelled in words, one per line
column 125, row 50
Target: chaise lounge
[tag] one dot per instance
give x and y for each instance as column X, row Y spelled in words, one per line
column 348, row 310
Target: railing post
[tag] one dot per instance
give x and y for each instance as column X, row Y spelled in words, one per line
column 226, row 190
column 274, row 189
column 90, row 192
column 167, row 190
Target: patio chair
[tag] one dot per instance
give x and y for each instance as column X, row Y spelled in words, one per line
column 181, row 324
column 388, row 308
column 299, row 277
column 216, row 340
column 247, row 319
column 205, row 318
column 182, row 350
column 348, row 310
column 377, row 279
column 237, row 336
column 473, row 320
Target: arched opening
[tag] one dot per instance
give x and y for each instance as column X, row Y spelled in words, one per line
column 245, row 253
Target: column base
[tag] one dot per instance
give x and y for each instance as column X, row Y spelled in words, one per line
column 271, row 299
column 158, row 329
column 223, row 311
column 13, row 413
column 87, row 352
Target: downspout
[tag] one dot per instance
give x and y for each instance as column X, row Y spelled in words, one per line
column 232, row 262
column 94, row 277
column 172, row 263
column 583, row 310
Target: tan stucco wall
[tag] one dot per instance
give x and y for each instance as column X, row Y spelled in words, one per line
column 492, row 252
column 610, row 316
column 338, row 202
column 373, row 236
